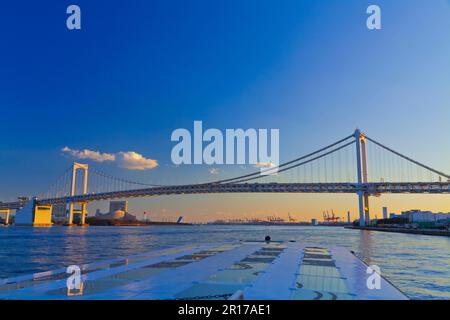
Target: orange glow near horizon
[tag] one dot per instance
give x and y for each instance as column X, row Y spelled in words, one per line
column 302, row 207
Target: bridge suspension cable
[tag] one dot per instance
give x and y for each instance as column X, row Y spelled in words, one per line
column 410, row 160
column 122, row 180
column 275, row 171
column 59, row 188
column 98, row 181
column 257, row 174
column 333, row 163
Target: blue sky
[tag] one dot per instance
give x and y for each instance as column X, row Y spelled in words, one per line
column 137, row 70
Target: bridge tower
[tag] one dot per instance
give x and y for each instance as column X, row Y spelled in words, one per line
column 84, row 167
column 362, row 174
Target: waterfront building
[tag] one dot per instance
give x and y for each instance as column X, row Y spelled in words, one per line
column 118, row 205
column 118, row 210
column 424, row 216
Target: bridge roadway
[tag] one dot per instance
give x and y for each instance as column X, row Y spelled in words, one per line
column 12, row 205
column 371, row 188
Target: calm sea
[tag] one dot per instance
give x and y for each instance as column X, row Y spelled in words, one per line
column 418, row 265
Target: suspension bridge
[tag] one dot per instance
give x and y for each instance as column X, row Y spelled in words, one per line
column 341, row 167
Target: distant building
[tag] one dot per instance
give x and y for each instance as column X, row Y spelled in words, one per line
column 118, row 210
column 385, row 213
column 118, row 205
column 348, row 217
column 392, row 215
column 424, row 216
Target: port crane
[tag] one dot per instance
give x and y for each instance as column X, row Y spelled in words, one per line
column 290, row 218
column 274, row 219
column 330, row 219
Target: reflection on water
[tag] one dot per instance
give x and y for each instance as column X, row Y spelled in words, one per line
column 418, row 265
column 365, row 246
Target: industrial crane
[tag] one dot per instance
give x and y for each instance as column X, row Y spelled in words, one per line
column 332, row 218
column 290, row 218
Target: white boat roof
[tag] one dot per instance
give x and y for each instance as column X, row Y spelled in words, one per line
column 239, row 270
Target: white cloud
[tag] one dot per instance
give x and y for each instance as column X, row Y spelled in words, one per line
column 213, row 171
column 129, row 160
column 89, row 154
column 267, row 168
column 135, row 161
column 264, row 165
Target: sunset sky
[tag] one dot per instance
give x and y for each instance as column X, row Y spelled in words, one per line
column 137, row 70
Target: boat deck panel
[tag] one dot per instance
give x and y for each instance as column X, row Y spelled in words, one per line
column 249, row 270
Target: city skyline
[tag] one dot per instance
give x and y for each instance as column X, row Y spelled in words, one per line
column 136, row 78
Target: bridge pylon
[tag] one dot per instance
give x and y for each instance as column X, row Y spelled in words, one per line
column 84, row 167
column 362, row 174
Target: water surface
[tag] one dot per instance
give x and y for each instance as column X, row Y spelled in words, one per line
column 418, row 265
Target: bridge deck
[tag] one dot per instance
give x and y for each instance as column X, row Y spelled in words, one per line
column 252, row 270
column 371, row 188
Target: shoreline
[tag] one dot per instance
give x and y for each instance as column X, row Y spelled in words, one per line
column 426, row 232
column 118, row 223
column 286, row 224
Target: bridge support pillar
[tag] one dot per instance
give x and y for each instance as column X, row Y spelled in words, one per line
column 363, row 202
column 7, row 217
column 34, row 215
column 6, row 212
column 362, row 174
column 366, row 208
column 70, row 214
column 76, row 166
column 83, row 214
